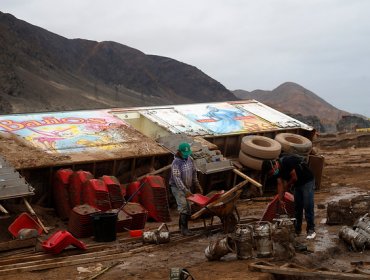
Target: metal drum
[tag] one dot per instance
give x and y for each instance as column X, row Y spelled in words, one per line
column 158, row 236
column 262, row 238
column 283, row 236
column 217, row 249
column 244, row 241
column 357, row 240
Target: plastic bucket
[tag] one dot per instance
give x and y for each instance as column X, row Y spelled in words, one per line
column 104, row 226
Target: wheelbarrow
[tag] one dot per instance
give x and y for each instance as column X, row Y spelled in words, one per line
column 222, row 205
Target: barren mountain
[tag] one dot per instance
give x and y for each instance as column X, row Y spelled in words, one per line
column 295, row 100
column 41, row 71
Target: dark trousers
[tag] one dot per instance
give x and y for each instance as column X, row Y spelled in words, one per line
column 304, row 200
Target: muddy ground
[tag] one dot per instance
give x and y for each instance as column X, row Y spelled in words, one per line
column 346, row 174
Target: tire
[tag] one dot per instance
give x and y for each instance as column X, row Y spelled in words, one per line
column 294, row 143
column 260, row 147
column 249, row 161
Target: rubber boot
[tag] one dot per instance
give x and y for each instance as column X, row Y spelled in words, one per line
column 184, row 225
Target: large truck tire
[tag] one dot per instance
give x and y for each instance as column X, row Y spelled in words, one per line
column 294, row 143
column 260, row 147
column 249, row 161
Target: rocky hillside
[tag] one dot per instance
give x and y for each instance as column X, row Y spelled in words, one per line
column 41, row 71
column 298, row 102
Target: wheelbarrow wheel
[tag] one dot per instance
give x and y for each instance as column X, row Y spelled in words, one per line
column 229, row 222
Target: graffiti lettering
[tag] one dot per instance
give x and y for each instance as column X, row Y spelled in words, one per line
column 31, row 123
column 9, row 125
column 72, row 120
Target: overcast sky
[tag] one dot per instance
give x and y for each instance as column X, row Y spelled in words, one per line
column 323, row 45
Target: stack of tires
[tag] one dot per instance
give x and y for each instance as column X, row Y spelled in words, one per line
column 255, row 149
column 294, row 144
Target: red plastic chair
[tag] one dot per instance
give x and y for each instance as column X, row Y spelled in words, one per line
column 60, row 240
column 23, row 221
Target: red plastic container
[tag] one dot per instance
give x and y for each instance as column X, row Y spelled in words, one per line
column 136, row 233
column 203, row 200
column 24, row 220
column 273, row 209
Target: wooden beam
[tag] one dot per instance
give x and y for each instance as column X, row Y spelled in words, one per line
column 17, row 244
column 245, row 177
column 2, row 209
column 155, row 172
column 299, row 271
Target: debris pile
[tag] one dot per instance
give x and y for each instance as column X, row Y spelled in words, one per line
column 347, row 211
column 358, row 237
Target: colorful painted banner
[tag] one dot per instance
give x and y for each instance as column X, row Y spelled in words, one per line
column 175, row 122
column 271, row 115
column 223, row 118
column 66, row 131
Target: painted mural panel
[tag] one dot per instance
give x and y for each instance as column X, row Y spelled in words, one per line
column 279, row 119
column 66, row 131
column 223, row 118
column 175, row 122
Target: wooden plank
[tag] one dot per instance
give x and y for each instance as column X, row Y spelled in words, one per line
column 155, row 172
column 17, row 244
column 2, row 209
column 245, row 177
column 72, row 260
column 300, row 272
column 47, row 258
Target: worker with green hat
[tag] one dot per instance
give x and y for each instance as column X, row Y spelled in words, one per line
column 183, row 182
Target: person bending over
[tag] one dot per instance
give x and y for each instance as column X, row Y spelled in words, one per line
column 291, row 173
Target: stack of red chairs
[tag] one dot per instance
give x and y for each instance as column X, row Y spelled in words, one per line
column 153, row 196
column 95, row 193
column 124, row 220
column 61, row 192
column 138, row 213
column 274, row 209
column 76, row 186
column 60, row 240
column 80, row 223
column 123, row 190
column 131, row 189
column 115, row 191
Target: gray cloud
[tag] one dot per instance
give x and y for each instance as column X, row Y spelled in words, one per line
column 323, row 45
